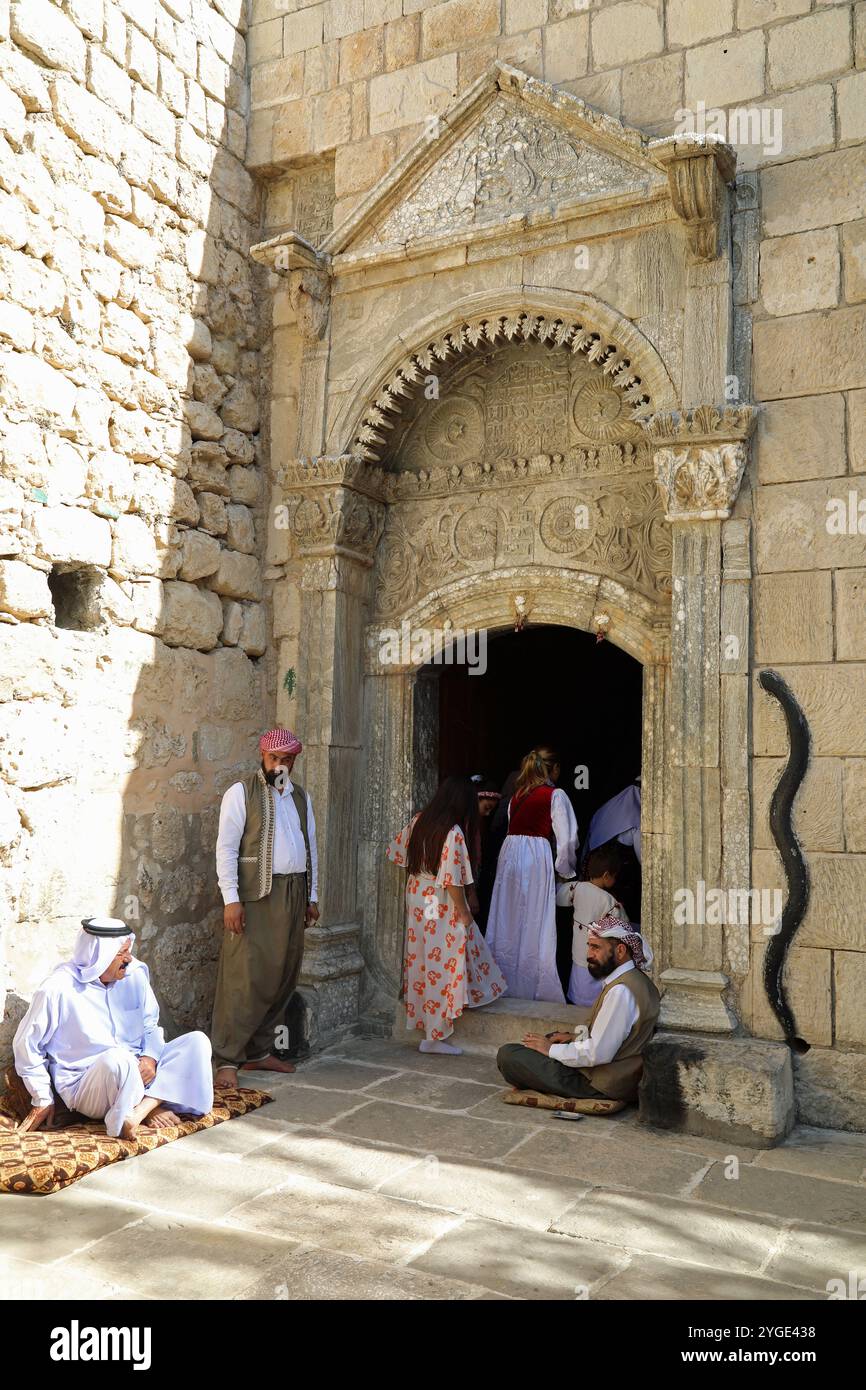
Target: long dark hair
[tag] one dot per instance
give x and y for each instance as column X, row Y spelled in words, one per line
column 455, row 803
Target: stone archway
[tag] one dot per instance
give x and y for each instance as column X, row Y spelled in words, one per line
column 553, row 596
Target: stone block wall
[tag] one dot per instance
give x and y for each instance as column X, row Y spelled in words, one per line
column 340, row 88
column 132, row 482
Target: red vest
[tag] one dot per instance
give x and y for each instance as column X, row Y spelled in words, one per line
column 530, row 813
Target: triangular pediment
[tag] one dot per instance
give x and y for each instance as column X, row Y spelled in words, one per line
column 514, row 147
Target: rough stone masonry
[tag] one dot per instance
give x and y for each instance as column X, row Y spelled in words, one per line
column 157, row 385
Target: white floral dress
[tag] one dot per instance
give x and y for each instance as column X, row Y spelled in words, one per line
column 446, row 967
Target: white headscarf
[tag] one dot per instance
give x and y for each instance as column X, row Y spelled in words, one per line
column 92, row 955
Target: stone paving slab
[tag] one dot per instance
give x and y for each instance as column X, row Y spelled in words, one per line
column 650, row 1279
column 812, row 1255
column 429, row 1131
column 43, row 1229
column 405, row 1056
column 165, row 1257
column 331, row 1158
column 439, row 1092
column 22, row 1281
column 308, row 1106
column 338, row 1218
column 819, row 1153
column 307, row 1273
column 523, row 1264
column 509, row 1195
column 787, row 1194
column 686, row 1231
column 339, row 1074
column 564, row 1148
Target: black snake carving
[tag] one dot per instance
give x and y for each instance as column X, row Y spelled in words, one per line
column 796, row 870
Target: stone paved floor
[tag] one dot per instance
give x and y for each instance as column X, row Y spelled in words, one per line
column 381, row 1173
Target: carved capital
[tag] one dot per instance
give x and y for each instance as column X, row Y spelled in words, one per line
column 329, row 521
column 698, row 167
column 699, row 458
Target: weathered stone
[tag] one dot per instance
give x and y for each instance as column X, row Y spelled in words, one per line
column 24, row 591
column 253, row 637
column 44, row 30
column 801, row 439
column 734, row 1090
column 814, row 193
column 794, row 617
column 240, row 532
column 237, row 576
column 200, row 555
column 204, row 422
column 67, row 534
column 851, row 615
column 800, row 272
column 831, row 1088
column 214, row 516
column 818, row 45
column 192, row 617
column 818, row 819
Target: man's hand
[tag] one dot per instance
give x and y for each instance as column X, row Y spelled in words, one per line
column 39, row 1116
column 234, row 918
column 559, row 1037
column 147, row 1069
column 312, row 915
column 537, row 1043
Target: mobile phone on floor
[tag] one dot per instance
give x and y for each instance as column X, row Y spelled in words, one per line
column 566, row 1115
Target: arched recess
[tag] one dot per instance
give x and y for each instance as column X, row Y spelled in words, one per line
column 576, row 321
column 554, row 596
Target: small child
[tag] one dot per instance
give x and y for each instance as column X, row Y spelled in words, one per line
column 590, row 900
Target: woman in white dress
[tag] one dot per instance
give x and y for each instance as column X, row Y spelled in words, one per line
column 447, row 966
column 521, row 928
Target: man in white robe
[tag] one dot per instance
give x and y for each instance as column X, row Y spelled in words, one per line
column 92, row 1034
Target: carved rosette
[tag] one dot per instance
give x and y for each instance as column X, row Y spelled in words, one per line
column 699, row 458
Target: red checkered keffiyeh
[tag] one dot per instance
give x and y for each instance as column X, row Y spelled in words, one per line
column 610, row 926
column 280, row 741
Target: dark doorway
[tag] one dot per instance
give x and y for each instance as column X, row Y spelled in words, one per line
column 557, row 686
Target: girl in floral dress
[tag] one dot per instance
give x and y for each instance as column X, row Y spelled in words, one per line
column 447, row 966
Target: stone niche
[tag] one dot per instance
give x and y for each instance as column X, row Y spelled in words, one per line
column 511, row 370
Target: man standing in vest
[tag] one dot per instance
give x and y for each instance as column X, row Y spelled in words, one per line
column 267, row 868
column 609, row 1062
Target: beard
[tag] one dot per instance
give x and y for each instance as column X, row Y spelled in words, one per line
column 598, row 969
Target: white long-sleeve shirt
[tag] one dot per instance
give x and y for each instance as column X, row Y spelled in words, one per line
column 290, row 856
column 613, row 1023
column 69, row 1023
column 565, row 832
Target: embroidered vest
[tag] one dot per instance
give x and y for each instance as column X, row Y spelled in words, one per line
column 256, row 852
column 619, row 1078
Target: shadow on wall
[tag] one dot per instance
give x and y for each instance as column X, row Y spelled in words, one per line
column 134, row 677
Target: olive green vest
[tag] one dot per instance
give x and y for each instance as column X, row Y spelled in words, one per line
column 256, row 851
column 619, row 1078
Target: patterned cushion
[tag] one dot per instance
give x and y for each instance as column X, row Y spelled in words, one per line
column 47, row 1160
column 602, row 1106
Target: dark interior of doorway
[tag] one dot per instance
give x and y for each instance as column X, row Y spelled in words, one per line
column 556, row 686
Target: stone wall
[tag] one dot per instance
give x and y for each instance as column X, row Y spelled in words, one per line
column 340, row 89
column 132, row 486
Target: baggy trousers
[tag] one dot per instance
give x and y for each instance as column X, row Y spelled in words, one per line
column 529, row 1070
column 258, row 973
column 112, row 1086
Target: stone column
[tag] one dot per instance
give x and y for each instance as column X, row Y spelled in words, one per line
column 336, row 525
column 699, row 461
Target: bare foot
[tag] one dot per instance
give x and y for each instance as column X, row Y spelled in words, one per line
column 161, row 1119
column 138, row 1115
column 226, row 1077
column 269, row 1064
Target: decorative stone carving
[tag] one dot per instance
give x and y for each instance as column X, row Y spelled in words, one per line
column 457, row 424
column 613, row 527
column 698, row 168
column 309, row 293
column 511, row 158
column 337, row 521
column 699, row 459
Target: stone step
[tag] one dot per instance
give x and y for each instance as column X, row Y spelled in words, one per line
column 505, row 1020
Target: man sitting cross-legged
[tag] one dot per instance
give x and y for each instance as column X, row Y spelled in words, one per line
column 609, row 1062
column 92, row 1031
